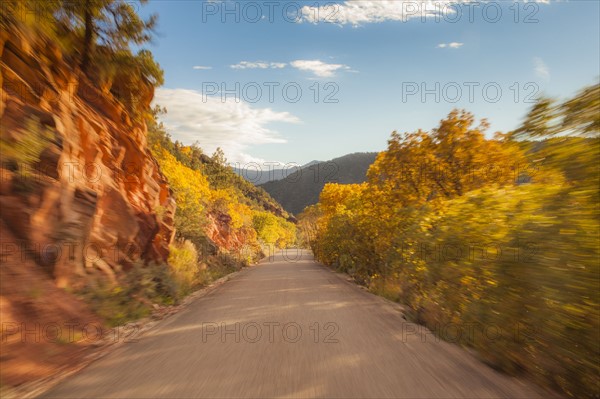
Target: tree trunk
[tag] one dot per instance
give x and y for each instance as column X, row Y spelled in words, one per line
column 87, row 39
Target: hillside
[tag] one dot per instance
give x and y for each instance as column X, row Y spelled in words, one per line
column 258, row 174
column 103, row 218
column 302, row 188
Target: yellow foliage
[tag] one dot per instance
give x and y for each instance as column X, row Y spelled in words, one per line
column 273, row 231
column 192, row 193
column 196, row 199
column 480, row 232
column 183, row 259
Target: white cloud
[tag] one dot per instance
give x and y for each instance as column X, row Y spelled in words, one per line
column 360, row 12
column 450, row 45
column 233, row 126
column 541, row 69
column 258, row 65
column 319, row 68
column 202, row 67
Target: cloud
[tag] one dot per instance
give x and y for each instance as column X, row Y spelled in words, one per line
column 360, row 12
column 258, row 65
column 450, row 45
column 202, row 67
column 233, row 126
column 541, row 69
column 319, row 68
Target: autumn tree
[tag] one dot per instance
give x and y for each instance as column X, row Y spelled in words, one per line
column 307, row 226
column 451, row 160
column 581, row 114
column 472, row 231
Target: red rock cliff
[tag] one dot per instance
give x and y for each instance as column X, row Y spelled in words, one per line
column 94, row 201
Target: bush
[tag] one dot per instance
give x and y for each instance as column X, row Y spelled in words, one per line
column 133, row 298
column 183, row 259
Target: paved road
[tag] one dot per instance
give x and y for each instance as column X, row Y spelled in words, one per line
column 289, row 329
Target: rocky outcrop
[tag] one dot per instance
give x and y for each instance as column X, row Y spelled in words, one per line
column 81, row 201
column 222, row 235
column 79, row 190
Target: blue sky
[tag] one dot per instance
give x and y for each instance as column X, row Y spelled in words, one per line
column 377, row 66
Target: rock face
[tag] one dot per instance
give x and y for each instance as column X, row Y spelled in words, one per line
column 83, row 197
column 81, row 201
column 222, row 235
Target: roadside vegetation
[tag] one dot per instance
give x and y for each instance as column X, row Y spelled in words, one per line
column 209, row 194
column 495, row 237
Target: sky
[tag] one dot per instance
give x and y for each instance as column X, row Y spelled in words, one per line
column 296, row 81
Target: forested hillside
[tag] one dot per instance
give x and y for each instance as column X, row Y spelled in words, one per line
column 217, row 209
column 491, row 243
column 258, row 174
column 302, row 187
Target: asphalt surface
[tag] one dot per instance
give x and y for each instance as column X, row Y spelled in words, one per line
column 290, row 328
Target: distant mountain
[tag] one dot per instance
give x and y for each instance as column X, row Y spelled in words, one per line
column 311, row 163
column 258, row 174
column 302, row 188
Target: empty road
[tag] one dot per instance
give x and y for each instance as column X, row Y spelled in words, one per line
column 289, row 329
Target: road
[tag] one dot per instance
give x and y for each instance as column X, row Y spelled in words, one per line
column 289, row 328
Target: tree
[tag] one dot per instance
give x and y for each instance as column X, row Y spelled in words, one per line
column 454, row 158
column 578, row 116
column 218, row 172
column 113, row 24
column 307, row 226
column 582, row 112
column 539, row 122
column 442, row 227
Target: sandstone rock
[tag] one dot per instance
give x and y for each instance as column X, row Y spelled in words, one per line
column 92, row 193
